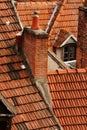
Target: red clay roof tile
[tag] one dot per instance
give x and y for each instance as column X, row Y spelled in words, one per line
column 62, row 36
column 68, row 91
column 15, row 83
column 67, row 18
column 25, row 11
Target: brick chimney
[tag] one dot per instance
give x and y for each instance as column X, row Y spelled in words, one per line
column 35, row 47
column 81, row 55
column 36, row 52
column 85, row 2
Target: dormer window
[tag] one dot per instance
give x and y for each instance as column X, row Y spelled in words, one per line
column 65, row 48
column 69, row 52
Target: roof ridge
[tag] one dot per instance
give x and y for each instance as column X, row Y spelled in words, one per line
column 16, row 14
column 68, row 71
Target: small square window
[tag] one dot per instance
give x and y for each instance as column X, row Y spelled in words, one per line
column 70, row 52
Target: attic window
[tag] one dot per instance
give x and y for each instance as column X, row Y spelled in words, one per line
column 69, row 52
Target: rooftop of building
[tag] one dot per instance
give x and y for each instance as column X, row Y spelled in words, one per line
column 68, row 90
column 15, row 82
column 68, row 87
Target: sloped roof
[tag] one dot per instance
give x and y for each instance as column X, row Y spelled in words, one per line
column 63, row 35
column 15, row 84
column 67, row 18
column 8, row 25
column 25, row 12
column 36, row 0
column 69, row 89
column 8, row 108
column 54, row 15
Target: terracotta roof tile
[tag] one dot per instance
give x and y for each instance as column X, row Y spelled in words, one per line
column 35, row 0
column 62, row 36
column 67, row 18
column 15, row 83
column 68, row 90
column 25, row 11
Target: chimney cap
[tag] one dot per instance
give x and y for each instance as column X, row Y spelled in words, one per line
column 36, row 12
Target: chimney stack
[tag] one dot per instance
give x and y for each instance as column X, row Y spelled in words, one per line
column 81, row 55
column 35, row 47
column 36, row 52
column 85, row 2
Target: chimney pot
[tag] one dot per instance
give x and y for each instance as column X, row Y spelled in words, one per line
column 35, row 21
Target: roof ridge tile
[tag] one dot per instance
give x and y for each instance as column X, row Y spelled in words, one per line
column 81, row 70
column 68, row 71
column 62, row 71
column 71, row 71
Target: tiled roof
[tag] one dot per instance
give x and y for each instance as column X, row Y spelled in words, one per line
column 63, row 35
column 36, row 0
column 15, row 84
column 8, row 25
column 68, row 90
column 25, row 11
column 51, row 18
column 67, row 18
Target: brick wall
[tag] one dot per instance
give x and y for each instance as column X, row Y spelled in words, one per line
column 82, row 39
column 35, row 48
column 85, row 2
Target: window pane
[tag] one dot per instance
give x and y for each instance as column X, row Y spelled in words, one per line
column 65, row 49
column 70, row 52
